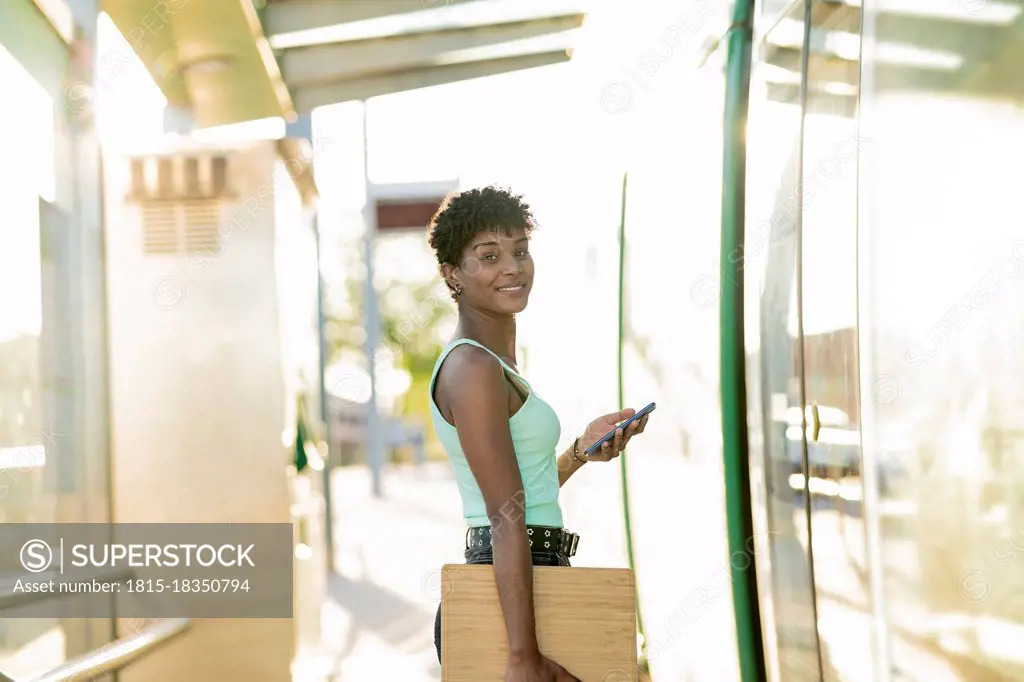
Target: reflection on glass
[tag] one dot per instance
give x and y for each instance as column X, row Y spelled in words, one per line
column 829, row 326
column 44, row 477
column 22, row 447
column 943, row 282
column 771, row 10
column 670, row 357
column 770, row 261
column 780, row 23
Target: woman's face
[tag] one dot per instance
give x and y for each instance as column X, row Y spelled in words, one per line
column 496, row 272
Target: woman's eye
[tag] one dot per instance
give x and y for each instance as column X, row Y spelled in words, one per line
column 522, row 254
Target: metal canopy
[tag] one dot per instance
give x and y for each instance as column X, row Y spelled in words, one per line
column 227, row 61
column 210, row 58
column 411, row 79
column 338, row 62
column 290, row 16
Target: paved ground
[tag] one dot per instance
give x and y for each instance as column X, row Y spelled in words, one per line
column 379, row 620
column 380, row 617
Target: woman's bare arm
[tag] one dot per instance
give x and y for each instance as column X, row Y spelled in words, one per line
column 567, row 466
column 475, row 389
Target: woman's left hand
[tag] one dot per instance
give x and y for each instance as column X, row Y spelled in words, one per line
column 610, row 449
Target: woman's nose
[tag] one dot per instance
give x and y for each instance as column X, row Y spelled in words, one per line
column 513, row 265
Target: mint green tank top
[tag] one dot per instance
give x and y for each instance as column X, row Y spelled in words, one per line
column 535, row 431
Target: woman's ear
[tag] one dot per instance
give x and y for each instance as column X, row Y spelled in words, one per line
column 449, row 274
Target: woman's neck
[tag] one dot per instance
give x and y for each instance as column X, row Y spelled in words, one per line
column 497, row 332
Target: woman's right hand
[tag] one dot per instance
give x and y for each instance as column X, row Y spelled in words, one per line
column 537, row 669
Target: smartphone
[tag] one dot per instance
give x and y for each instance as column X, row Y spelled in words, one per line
column 611, row 434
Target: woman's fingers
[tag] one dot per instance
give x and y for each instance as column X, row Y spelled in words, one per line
column 610, row 449
column 639, row 424
column 635, row 428
column 607, row 451
column 631, row 429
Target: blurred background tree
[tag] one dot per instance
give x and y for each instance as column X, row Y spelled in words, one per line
column 416, row 314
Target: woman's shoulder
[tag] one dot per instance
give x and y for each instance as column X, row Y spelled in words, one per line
column 465, row 356
column 464, row 362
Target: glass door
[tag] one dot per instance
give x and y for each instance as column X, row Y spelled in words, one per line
column 828, row 330
column 771, row 260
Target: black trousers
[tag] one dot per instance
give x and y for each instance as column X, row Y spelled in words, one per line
column 483, row 556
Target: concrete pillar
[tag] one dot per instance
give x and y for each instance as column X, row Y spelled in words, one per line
column 198, row 437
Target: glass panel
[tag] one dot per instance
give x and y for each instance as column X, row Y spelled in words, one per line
column 23, row 436
column 770, row 259
column 829, row 323
column 770, row 13
column 942, row 305
column 675, row 468
column 52, row 443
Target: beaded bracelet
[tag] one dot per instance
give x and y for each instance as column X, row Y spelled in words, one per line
column 576, row 451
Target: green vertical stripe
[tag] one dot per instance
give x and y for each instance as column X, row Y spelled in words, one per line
column 739, row 520
column 627, row 523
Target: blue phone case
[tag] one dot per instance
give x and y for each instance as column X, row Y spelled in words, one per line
column 611, row 434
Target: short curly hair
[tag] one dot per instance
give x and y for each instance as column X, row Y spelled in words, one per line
column 463, row 216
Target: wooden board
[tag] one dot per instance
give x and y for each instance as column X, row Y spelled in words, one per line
column 586, row 622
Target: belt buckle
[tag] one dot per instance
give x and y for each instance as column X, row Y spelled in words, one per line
column 563, row 542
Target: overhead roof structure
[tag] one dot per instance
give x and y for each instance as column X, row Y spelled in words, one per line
column 228, row 61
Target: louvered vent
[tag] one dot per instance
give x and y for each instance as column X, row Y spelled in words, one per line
column 180, row 227
column 202, row 219
column 160, row 229
column 180, row 196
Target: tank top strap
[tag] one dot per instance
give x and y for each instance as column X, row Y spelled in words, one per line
column 458, row 342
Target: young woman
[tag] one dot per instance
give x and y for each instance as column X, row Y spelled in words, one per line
column 499, row 434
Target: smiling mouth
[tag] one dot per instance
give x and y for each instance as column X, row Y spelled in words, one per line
column 519, row 287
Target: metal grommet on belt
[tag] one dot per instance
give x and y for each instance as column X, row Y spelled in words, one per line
column 556, row 539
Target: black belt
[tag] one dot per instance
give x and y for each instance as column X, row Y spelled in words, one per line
column 541, row 538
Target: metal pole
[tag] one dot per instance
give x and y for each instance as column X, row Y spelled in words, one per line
column 325, row 413
column 739, row 514
column 371, row 312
